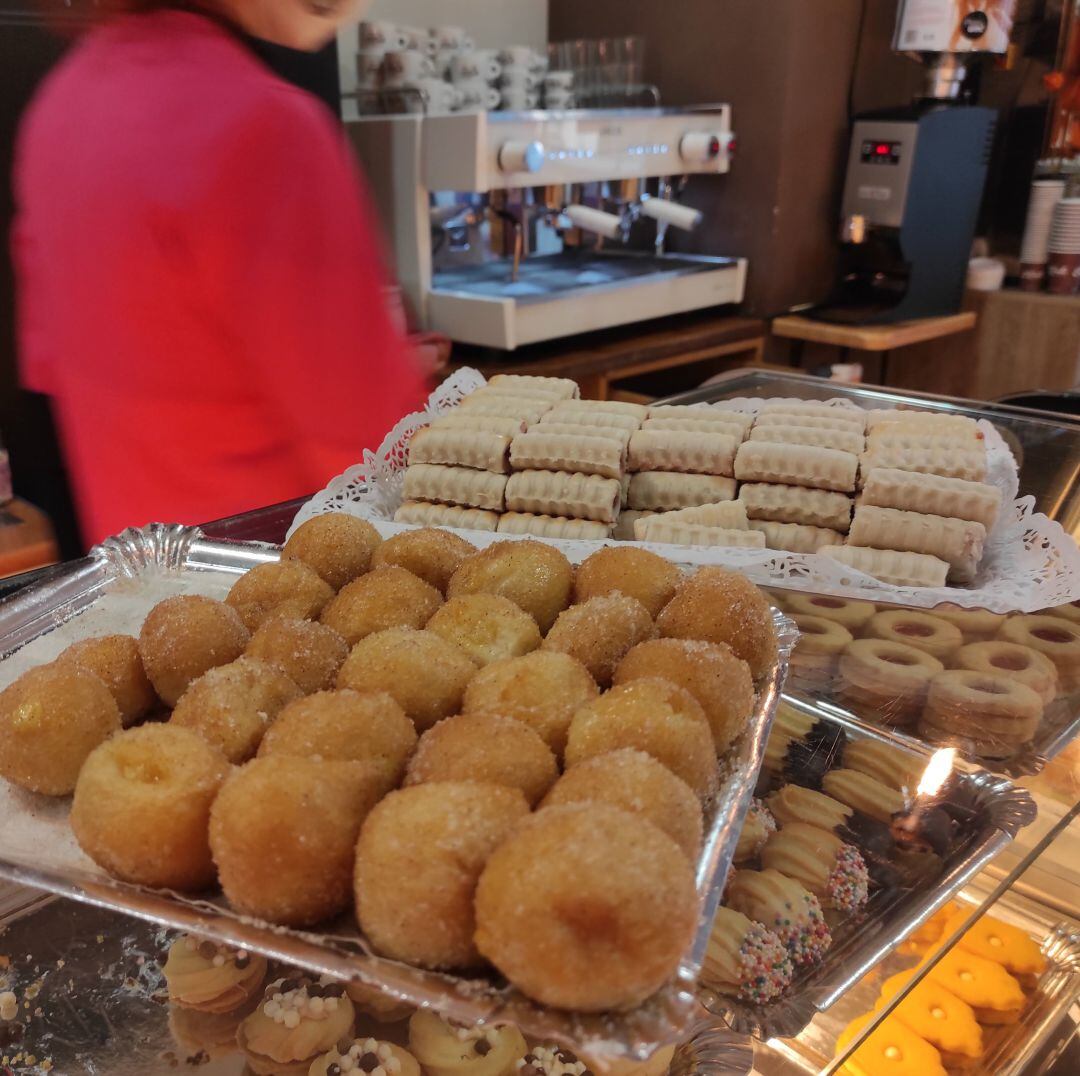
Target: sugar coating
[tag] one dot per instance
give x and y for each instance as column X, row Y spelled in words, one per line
column 600, row 631
column 286, row 588
column 309, row 653
column 429, row 553
column 337, row 545
column 389, row 597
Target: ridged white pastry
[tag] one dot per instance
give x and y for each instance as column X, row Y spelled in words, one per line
column 795, row 465
column 624, row 525
column 659, row 528
column 454, row 485
column 813, row 422
column 674, row 450
column 955, row 462
column 461, row 420
column 706, row 424
column 842, row 440
column 855, row 417
column 564, row 415
column 892, row 566
column 958, row 542
column 665, row 490
column 795, row 504
column 551, row 526
column 576, row 453
column 795, row 537
column 528, row 409
column 611, row 407
column 562, row 388
column 912, row 491
column 461, row 448
column 882, row 419
column 558, row 493
column 662, row 411
column 576, row 429
column 425, row 514
column 728, row 514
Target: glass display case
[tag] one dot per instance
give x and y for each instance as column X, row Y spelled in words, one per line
column 88, row 988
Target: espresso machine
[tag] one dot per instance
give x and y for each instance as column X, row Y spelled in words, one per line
column 915, row 176
column 509, row 228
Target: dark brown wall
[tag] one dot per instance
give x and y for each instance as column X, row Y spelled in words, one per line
column 784, row 66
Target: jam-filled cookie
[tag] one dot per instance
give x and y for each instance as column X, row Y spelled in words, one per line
column 939, row 1016
column 298, row 1020
column 368, row 1056
column 209, row 977
column 814, row 659
column 932, row 635
column 891, row 1050
column 848, row 612
column 444, row 1048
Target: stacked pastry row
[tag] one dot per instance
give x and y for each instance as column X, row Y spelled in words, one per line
column 286, row 1022
column 967, row 677
column 942, row 1023
column 812, row 851
column 523, row 455
column 454, row 745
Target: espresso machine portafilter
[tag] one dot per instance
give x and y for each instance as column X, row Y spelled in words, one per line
column 512, row 228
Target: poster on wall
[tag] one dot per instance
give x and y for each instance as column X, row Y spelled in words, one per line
column 954, row 25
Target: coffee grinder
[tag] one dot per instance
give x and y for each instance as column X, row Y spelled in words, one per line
column 915, row 175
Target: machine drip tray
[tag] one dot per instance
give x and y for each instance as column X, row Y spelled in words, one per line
column 549, row 276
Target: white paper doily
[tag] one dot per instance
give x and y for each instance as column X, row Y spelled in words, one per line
column 1029, row 563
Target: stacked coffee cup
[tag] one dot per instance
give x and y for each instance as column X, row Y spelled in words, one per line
column 1045, row 194
column 474, row 73
column 1063, row 260
column 521, row 77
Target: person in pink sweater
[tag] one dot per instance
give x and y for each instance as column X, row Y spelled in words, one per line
column 200, row 285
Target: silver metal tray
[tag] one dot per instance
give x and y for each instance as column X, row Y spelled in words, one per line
column 112, row 590
column 98, row 1004
column 1043, row 1029
column 999, row 811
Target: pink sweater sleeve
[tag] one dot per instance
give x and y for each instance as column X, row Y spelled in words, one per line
column 295, row 261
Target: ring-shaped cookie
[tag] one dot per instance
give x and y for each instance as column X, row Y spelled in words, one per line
column 928, row 633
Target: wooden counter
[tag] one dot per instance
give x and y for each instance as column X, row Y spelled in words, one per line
column 637, row 361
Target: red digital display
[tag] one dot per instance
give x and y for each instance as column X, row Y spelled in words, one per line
column 872, row 152
column 882, row 149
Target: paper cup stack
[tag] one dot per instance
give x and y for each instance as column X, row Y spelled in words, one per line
column 1045, row 194
column 1063, row 257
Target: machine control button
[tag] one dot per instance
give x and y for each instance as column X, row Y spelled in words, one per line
column 521, row 156
column 700, row 147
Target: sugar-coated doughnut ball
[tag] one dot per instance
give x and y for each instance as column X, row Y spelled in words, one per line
column 654, row 716
column 282, row 832
column 338, row 546
column 720, row 682
column 600, row 631
column 369, row 728
column 543, row 690
column 535, row 576
column 389, row 597
column 488, row 627
column 284, row 588
column 51, row 718
column 586, row 907
column 232, row 706
column 420, row 670
column 183, row 637
column 420, row 853
column 114, row 660
column 634, row 781
column 484, row 747
column 308, row 653
column 721, row 606
column 142, row 806
column 428, row 552
column 636, row 572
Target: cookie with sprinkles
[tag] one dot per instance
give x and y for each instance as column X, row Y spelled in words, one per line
column 298, row 1020
column 787, row 908
column 745, row 959
column 758, row 826
column 551, row 1060
column 209, row 977
column 835, row 872
column 447, row 1048
column 365, row 1057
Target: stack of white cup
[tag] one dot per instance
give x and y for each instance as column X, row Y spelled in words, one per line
column 521, row 77
column 1063, row 249
column 1034, row 250
column 559, row 89
column 474, row 72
